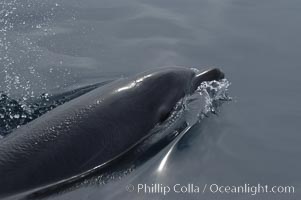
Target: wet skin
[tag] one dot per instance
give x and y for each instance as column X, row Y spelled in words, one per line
column 93, row 129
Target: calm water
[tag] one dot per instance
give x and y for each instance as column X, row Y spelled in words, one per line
column 54, row 46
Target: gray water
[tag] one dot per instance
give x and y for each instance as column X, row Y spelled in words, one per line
column 52, row 46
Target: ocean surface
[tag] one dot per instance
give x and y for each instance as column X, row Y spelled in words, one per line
column 54, row 46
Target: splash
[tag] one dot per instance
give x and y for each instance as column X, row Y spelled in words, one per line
column 214, row 93
column 206, row 99
column 14, row 113
column 17, row 112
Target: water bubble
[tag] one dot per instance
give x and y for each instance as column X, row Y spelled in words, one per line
column 16, row 116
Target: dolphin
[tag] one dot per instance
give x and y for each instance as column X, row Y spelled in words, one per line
column 94, row 129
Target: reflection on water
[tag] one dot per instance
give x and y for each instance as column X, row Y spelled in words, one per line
column 254, row 139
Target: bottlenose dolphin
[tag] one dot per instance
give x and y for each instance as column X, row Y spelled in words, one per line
column 94, row 129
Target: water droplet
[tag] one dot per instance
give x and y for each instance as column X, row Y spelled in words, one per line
column 16, row 116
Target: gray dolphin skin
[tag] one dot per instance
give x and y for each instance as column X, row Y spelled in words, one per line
column 93, row 129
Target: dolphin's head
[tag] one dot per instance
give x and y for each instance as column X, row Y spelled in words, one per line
column 207, row 75
column 164, row 87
